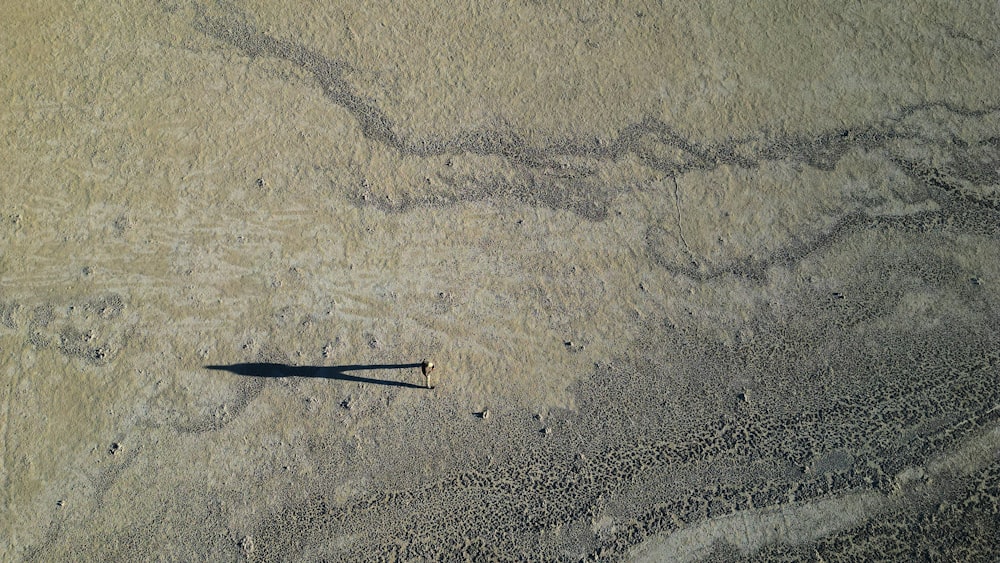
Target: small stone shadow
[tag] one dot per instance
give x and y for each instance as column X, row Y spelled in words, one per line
column 327, row 372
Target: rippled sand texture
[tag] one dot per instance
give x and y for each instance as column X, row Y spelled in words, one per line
column 699, row 282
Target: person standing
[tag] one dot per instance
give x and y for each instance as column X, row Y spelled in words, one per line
column 426, row 367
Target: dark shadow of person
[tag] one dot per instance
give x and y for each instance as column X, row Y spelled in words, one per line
column 339, row 373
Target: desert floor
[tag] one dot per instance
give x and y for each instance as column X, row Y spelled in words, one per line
column 699, row 282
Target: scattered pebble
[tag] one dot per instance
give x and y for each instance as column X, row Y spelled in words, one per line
column 246, row 544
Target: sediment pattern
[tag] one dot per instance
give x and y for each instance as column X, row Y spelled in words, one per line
column 545, row 498
column 564, row 173
column 851, row 351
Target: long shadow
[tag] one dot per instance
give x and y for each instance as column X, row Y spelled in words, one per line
column 327, row 372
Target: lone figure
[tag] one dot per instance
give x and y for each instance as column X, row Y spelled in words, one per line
column 426, row 367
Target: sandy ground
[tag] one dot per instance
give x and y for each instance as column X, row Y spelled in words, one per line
column 700, row 283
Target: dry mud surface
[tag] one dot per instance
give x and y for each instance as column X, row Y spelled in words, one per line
column 701, row 282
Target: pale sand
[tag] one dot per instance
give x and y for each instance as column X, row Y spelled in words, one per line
column 706, row 270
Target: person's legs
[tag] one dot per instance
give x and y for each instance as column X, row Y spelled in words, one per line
column 426, row 367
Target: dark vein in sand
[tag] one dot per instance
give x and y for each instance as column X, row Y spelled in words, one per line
column 822, row 151
column 548, row 179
